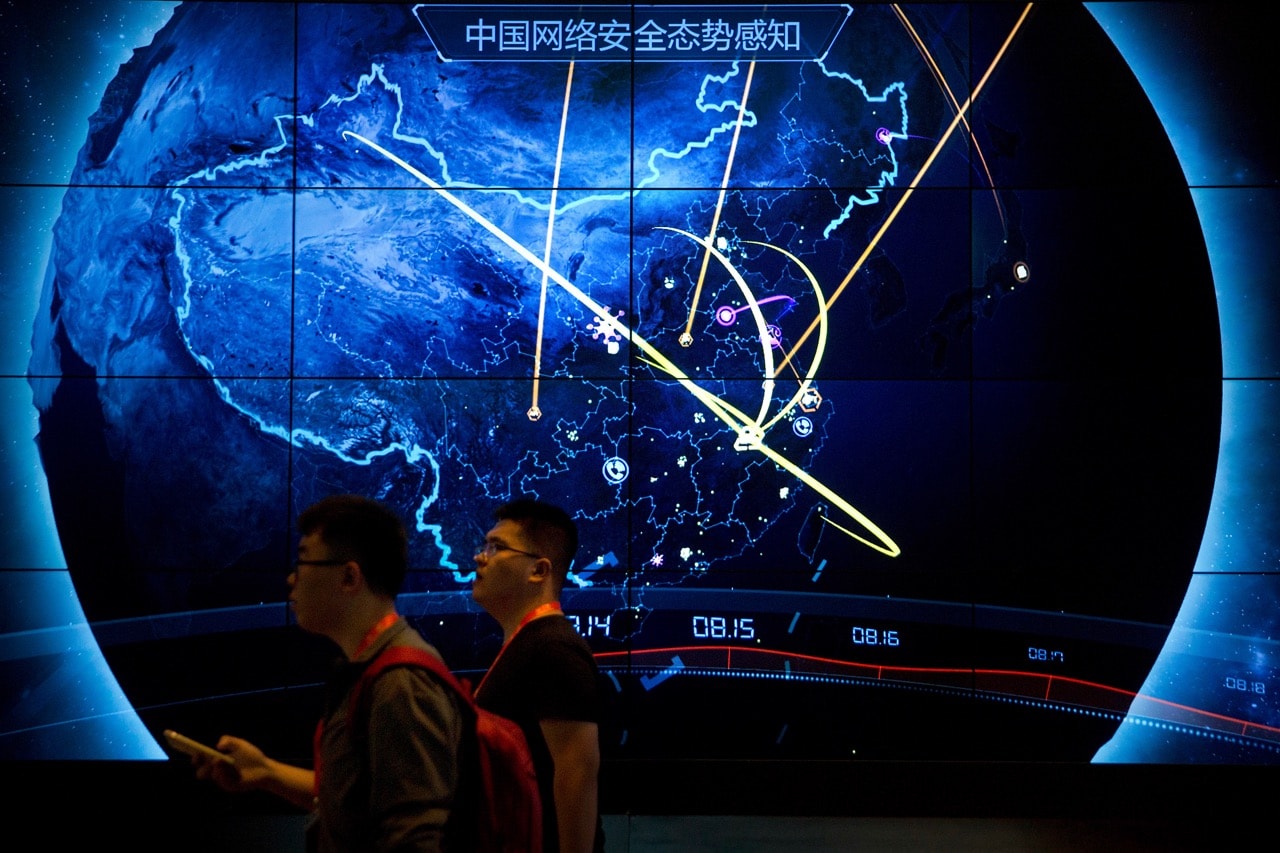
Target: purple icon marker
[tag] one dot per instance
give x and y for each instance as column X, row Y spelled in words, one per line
column 726, row 315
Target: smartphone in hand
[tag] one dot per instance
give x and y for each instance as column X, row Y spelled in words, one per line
column 182, row 743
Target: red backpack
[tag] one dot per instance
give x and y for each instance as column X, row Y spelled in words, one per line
column 508, row 814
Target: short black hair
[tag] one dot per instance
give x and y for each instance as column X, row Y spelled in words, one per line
column 551, row 530
column 361, row 529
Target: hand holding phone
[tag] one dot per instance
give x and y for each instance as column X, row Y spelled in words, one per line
column 194, row 748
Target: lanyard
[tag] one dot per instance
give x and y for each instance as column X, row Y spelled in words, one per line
column 540, row 610
column 536, row 613
column 383, row 624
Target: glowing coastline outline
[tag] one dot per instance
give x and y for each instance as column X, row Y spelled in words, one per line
column 749, row 437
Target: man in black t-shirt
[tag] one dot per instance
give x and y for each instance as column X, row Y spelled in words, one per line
column 545, row 676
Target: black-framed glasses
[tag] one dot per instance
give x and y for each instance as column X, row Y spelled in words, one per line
column 297, row 563
column 488, row 549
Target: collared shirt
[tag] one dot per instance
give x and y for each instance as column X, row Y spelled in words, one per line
column 391, row 785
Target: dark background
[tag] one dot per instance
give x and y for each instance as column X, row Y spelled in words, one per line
column 1003, row 771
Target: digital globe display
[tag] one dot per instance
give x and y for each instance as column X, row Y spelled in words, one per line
column 875, row 351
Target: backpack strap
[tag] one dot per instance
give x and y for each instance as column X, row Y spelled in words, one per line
column 507, row 812
column 356, row 710
column 406, row 656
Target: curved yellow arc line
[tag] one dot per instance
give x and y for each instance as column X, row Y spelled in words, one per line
column 718, row 407
column 884, row 545
column 603, row 315
column 822, row 334
column 769, row 371
column 919, row 176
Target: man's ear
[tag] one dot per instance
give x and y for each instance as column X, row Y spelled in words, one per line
column 541, row 571
column 352, row 576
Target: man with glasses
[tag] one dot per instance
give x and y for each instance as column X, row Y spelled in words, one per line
column 391, row 783
column 545, row 676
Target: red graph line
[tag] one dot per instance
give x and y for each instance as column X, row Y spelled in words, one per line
column 1045, row 686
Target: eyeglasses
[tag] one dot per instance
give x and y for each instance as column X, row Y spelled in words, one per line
column 488, row 549
column 297, row 563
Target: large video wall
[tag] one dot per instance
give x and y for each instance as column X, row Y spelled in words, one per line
column 910, row 370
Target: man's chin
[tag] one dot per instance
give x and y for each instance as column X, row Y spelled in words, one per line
column 299, row 618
